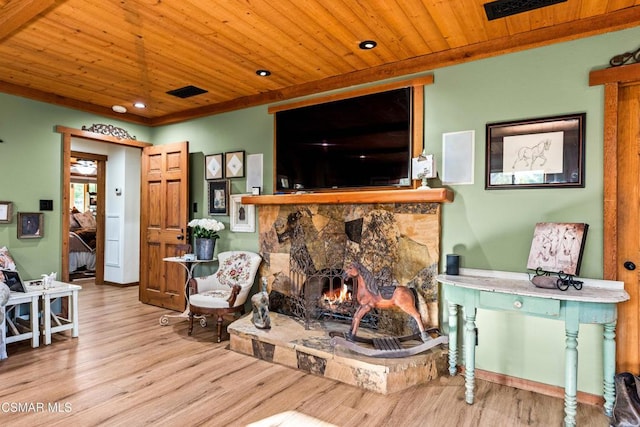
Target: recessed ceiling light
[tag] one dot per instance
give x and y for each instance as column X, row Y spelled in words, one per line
column 263, row 73
column 367, row 44
column 119, row 109
column 139, row 105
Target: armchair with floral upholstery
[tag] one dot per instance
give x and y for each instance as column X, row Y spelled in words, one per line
column 225, row 291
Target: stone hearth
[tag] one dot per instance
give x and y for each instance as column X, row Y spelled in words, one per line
column 289, row 344
column 394, row 234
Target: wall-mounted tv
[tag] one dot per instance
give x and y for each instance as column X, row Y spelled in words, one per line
column 351, row 143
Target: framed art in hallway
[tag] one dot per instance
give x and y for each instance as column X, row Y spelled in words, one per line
column 544, row 152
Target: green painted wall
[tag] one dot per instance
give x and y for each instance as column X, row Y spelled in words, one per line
column 30, row 163
column 250, row 130
column 490, row 229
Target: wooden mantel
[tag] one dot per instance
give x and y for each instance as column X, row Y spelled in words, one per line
column 437, row 195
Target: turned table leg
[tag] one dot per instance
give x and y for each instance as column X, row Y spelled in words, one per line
column 453, row 339
column 469, row 352
column 609, row 360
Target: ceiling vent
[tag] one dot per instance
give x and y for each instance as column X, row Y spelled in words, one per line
column 187, row 91
column 501, row 8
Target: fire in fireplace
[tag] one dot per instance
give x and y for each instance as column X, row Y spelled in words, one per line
column 325, row 295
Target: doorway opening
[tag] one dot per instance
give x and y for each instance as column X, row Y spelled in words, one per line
column 82, row 217
column 84, row 207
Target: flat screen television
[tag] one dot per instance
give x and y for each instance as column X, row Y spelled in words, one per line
column 351, row 143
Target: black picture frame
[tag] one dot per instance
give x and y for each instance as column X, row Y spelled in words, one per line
column 30, row 225
column 218, row 197
column 13, row 281
column 234, row 164
column 545, row 152
column 214, row 166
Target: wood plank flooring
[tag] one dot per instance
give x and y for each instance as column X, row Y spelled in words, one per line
column 126, row 369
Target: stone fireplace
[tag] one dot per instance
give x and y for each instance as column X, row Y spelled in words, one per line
column 307, row 241
column 307, row 247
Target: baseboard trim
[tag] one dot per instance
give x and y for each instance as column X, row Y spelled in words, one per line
column 536, row 387
column 121, row 285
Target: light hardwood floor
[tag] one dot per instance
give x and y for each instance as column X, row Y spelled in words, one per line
column 126, row 369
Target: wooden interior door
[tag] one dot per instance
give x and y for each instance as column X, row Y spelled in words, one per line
column 628, row 220
column 164, row 215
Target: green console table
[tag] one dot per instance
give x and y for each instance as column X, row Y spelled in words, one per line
column 506, row 291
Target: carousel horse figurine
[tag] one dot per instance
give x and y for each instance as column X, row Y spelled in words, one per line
column 369, row 297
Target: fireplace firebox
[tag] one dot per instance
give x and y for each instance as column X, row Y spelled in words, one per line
column 307, row 248
column 324, row 296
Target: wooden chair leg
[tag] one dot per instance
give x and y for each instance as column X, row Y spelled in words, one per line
column 219, row 327
column 190, row 323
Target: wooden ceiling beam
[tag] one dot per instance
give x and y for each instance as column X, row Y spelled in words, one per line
column 51, row 98
column 614, row 21
column 17, row 13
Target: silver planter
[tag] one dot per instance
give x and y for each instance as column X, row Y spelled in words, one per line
column 204, row 248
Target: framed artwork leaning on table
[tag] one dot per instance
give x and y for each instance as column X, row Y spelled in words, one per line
column 12, row 279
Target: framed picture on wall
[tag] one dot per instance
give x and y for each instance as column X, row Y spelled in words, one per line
column 6, row 214
column 242, row 217
column 214, row 166
column 234, row 164
column 536, row 153
column 30, row 225
column 218, row 195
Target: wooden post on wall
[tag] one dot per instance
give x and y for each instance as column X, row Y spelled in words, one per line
column 418, row 125
column 610, row 203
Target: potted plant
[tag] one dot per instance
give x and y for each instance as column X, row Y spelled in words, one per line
column 205, row 233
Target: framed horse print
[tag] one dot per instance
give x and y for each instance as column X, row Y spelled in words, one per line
column 557, row 247
column 536, row 153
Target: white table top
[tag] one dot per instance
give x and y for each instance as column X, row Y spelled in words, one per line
column 181, row 259
column 23, row 296
column 36, row 286
column 593, row 290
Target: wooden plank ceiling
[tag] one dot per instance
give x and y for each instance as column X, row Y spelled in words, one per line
column 91, row 55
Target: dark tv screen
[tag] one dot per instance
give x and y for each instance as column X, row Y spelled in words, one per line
column 351, row 143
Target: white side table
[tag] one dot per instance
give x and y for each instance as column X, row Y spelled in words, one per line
column 189, row 266
column 22, row 332
column 53, row 323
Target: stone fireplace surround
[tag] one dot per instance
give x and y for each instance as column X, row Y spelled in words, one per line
column 395, row 234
